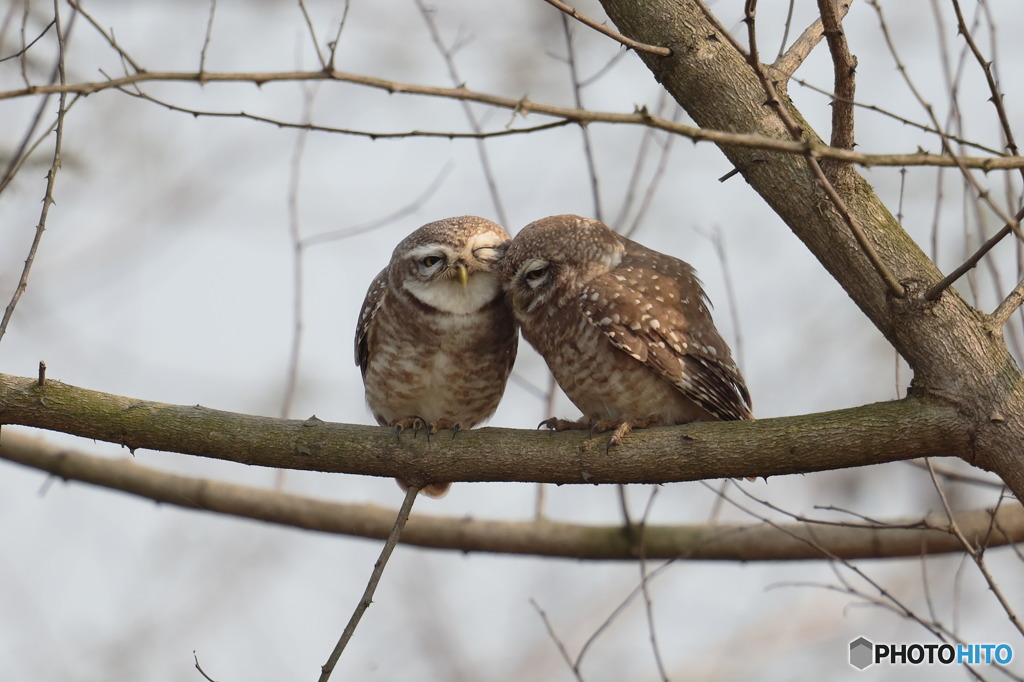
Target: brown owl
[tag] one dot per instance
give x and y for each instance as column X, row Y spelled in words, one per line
column 626, row 331
column 435, row 340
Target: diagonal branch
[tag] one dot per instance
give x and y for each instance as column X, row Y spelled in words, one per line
column 717, row 542
column 608, row 31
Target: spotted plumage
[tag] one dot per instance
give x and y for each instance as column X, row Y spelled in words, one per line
column 435, row 340
column 626, row 331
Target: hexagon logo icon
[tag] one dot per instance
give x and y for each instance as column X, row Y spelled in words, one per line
column 861, row 653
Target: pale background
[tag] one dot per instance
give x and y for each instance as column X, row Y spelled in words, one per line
column 166, row 274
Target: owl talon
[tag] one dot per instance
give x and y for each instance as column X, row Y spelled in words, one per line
column 414, row 423
column 556, row 424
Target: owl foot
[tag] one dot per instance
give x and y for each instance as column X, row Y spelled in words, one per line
column 434, row 427
column 621, row 427
column 556, row 424
column 414, row 423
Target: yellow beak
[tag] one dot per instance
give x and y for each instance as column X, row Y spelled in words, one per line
column 463, row 274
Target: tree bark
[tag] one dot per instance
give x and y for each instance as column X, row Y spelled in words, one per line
column 953, row 349
column 870, row 434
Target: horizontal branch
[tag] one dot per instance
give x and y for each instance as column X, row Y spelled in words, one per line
column 871, row 434
column 752, row 542
column 526, row 106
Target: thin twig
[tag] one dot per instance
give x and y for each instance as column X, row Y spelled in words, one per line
column 481, row 147
column 645, row 587
column 787, row 63
column 411, row 207
column 209, row 34
column 986, row 66
column 200, row 668
column 520, row 106
column 109, row 37
column 51, row 179
column 656, row 179
column 312, row 34
column 975, row 553
column 797, row 133
column 24, row 50
column 611, row 33
column 940, row 286
column 298, row 251
column 333, row 45
column 1008, row 306
column 588, row 148
column 557, row 640
column 371, row 586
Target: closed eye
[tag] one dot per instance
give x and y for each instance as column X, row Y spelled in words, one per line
column 535, row 274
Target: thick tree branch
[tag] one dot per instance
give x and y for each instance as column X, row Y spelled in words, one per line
column 947, row 343
column 882, row 432
column 751, row 542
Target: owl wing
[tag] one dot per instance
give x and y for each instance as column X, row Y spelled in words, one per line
column 652, row 307
column 371, row 304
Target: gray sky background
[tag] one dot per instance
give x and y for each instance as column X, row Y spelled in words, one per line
column 166, row 274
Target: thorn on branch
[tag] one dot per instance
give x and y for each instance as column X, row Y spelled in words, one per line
column 42, row 373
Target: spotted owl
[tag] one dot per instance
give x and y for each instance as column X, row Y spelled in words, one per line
column 625, row 330
column 435, row 340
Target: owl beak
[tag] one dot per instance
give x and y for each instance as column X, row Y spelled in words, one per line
column 463, row 274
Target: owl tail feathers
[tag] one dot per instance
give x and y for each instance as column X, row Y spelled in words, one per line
column 435, row 490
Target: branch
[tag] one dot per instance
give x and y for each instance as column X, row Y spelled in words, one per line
column 526, row 106
column 723, row 542
column 872, row 434
column 610, row 32
column 787, row 64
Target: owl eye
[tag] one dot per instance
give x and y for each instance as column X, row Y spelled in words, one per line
column 430, row 261
column 535, row 274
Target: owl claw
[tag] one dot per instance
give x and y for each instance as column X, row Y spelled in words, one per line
column 414, row 423
column 556, row 424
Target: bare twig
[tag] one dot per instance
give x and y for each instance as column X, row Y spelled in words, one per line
column 333, row 45
column 108, row 36
column 787, row 63
column 312, row 34
column 521, row 106
column 986, row 67
column 411, row 207
column 474, row 123
column 24, row 50
column 371, row 586
column 611, row 33
column 1008, row 306
column 209, row 34
column 200, row 668
column 51, row 179
column 42, row 374
column 645, row 586
column 557, row 640
column 976, row 554
column 940, row 286
column 588, row 149
column 298, row 251
column 797, row 133
column 844, row 66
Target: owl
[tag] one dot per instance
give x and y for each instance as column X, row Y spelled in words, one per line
column 435, row 339
column 625, row 330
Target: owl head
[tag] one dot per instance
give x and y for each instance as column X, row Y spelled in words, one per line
column 451, row 265
column 551, row 260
